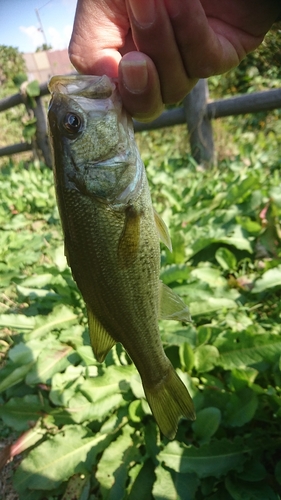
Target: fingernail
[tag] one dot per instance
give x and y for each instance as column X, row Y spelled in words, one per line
column 134, row 75
column 143, row 11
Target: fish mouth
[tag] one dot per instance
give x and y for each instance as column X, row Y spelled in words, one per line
column 88, row 86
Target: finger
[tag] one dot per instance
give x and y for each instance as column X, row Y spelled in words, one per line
column 99, row 30
column 153, row 35
column 213, row 37
column 139, row 86
column 202, row 41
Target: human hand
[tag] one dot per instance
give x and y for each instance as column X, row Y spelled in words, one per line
column 166, row 44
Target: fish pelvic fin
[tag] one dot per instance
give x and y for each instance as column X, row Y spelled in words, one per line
column 101, row 341
column 162, row 231
column 169, row 401
column 171, row 306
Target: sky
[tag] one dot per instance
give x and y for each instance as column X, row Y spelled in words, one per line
column 20, row 26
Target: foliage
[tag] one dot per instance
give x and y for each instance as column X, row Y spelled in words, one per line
column 18, row 123
column 12, row 75
column 44, row 47
column 84, row 428
column 12, row 69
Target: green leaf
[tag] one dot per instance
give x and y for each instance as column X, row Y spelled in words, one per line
column 142, row 479
column 58, row 319
column 115, row 379
column 28, row 439
column 270, row 279
column 37, row 280
column 243, row 356
column 17, row 375
column 241, row 408
column 214, row 459
column 49, row 362
column 172, row 486
column 210, row 275
column 22, row 354
column 136, row 412
column 175, row 272
column 34, row 293
column 33, row 89
column 86, row 354
column 113, row 466
column 241, row 378
column 19, row 413
column 226, row 258
column 242, row 490
column 212, row 304
column 65, row 384
column 17, row 321
column 205, row 358
column 206, row 424
column 71, row 451
column 186, row 356
column 238, row 239
column 164, row 487
column 253, row 471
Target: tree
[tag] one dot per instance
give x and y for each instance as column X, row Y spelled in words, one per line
column 44, row 47
column 12, row 67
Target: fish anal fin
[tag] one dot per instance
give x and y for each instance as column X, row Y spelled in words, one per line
column 101, row 341
column 162, row 231
column 169, row 401
column 130, row 237
column 171, row 306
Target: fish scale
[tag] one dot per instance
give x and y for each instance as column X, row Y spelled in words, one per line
column 112, row 236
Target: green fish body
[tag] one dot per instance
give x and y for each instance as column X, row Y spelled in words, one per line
column 112, row 236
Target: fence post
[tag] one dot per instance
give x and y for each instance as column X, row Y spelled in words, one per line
column 42, row 139
column 199, row 125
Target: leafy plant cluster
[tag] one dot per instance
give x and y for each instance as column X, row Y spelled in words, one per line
column 84, row 429
column 260, row 70
column 18, row 123
column 12, row 69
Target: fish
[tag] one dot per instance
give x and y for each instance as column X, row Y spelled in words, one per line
column 111, row 236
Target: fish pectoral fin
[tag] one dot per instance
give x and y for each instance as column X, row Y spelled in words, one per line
column 169, row 400
column 101, row 341
column 171, row 306
column 130, row 237
column 162, row 231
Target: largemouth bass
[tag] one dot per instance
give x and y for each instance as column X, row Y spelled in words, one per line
column 112, row 235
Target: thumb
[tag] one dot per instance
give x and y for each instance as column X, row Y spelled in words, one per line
column 99, row 31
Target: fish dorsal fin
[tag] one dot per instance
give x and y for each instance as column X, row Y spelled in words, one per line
column 130, row 238
column 101, row 341
column 163, row 231
column 171, row 306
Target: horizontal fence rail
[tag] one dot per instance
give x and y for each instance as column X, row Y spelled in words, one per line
column 231, row 106
column 16, row 99
column 197, row 113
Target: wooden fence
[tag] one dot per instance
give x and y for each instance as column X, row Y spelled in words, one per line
column 197, row 112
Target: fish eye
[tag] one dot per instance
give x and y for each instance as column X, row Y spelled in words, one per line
column 72, row 123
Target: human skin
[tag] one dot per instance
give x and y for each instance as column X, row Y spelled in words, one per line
column 158, row 49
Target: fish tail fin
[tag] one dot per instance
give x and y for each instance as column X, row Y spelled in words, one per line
column 169, row 401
